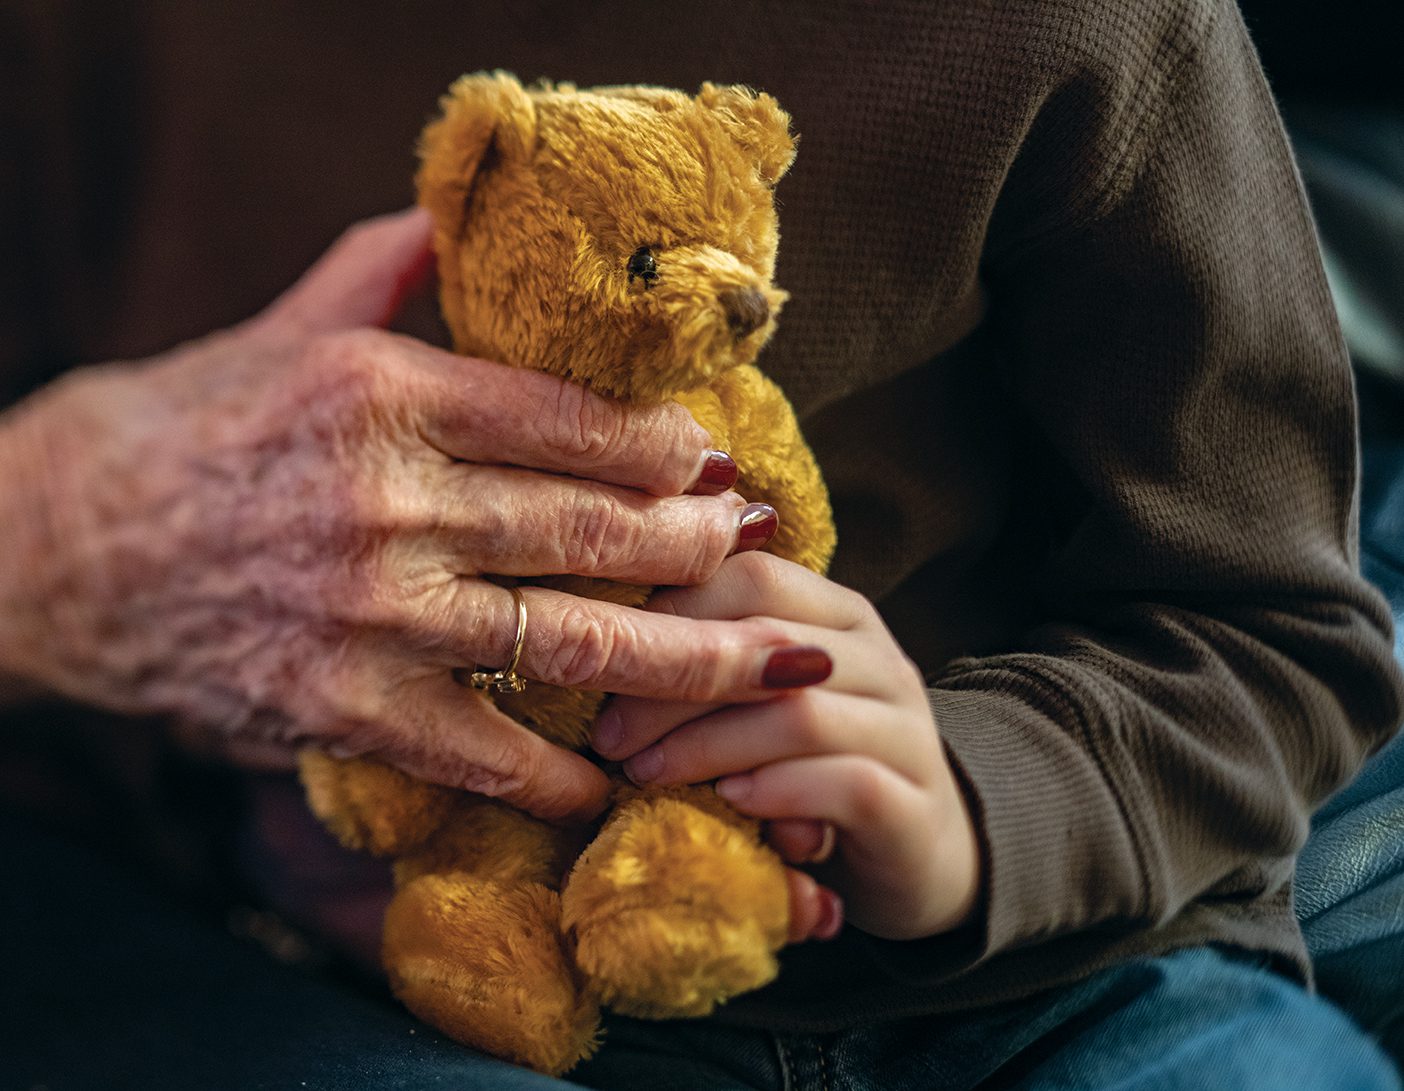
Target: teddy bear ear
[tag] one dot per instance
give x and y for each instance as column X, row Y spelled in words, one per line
column 756, row 122
column 487, row 119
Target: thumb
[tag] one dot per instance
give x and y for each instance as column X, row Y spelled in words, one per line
column 364, row 279
column 457, row 738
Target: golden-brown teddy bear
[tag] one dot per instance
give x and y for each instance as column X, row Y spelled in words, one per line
column 623, row 238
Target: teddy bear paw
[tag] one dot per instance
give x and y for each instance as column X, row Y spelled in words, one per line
column 672, row 960
column 676, row 906
column 485, row 963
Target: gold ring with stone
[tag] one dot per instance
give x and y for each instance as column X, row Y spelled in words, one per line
column 506, row 680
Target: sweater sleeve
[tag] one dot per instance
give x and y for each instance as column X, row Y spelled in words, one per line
column 1214, row 665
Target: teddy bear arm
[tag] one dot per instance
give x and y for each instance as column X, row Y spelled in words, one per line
column 749, row 413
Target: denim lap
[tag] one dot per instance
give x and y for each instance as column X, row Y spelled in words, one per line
column 1196, row 1019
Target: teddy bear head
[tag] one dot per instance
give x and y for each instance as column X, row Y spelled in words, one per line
column 621, row 237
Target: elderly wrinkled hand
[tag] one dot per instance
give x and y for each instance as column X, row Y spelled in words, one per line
column 278, row 534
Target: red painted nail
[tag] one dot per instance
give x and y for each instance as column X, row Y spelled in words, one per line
column 758, row 525
column 718, row 475
column 800, row 665
column 411, row 282
column 830, row 915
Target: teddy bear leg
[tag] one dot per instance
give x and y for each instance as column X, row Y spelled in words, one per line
column 676, row 906
column 474, row 945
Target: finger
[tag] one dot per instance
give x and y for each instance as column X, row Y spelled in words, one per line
column 628, row 724
column 869, row 803
column 806, row 907
column 761, row 584
column 261, row 757
column 479, row 411
column 815, row 911
column 454, row 736
column 865, row 664
column 589, row 644
column 801, row 840
column 255, row 754
column 515, row 522
column 861, row 668
column 811, row 722
column 364, row 279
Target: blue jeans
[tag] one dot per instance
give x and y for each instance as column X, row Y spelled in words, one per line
column 1196, row 1019
column 105, row 986
column 1350, row 876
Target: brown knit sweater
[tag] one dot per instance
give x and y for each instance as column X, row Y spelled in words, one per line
column 1058, row 330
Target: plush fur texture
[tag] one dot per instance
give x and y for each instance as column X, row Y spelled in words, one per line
column 503, row 933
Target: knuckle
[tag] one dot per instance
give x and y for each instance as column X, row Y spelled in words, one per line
column 336, row 694
column 359, row 737
column 586, row 644
column 705, row 552
column 363, row 501
column 867, row 789
column 599, row 530
column 507, row 775
column 355, row 512
column 679, row 425
column 701, row 562
column 359, row 231
column 341, row 355
column 702, row 674
column 580, row 427
column 701, row 669
column 349, row 672
column 365, row 237
column 916, row 677
column 858, row 608
column 364, row 603
column 423, row 615
column 805, row 723
column 362, row 585
column 678, row 439
column 762, row 578
column 336, row 376
column 486, row 634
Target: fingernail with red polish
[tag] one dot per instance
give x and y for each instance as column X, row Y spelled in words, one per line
column 758, row 525
column 793, row 667
column 830, row 915
column 718, row 475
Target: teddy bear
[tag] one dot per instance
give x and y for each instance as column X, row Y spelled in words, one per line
column 623, row 238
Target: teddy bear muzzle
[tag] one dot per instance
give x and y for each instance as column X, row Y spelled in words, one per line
column 712, row 311
column 746, row 310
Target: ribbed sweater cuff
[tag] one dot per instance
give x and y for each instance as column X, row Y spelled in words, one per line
column 1058, row 854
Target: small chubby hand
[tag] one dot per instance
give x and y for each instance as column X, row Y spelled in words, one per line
column 839, row 752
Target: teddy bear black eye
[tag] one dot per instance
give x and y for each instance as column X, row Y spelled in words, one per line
column 643, row 265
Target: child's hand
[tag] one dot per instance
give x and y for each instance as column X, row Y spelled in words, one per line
column 856, row 748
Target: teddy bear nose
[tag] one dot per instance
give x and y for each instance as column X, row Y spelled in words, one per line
column 746, row 310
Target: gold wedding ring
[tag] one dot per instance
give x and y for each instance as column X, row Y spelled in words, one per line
column 506, row 680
